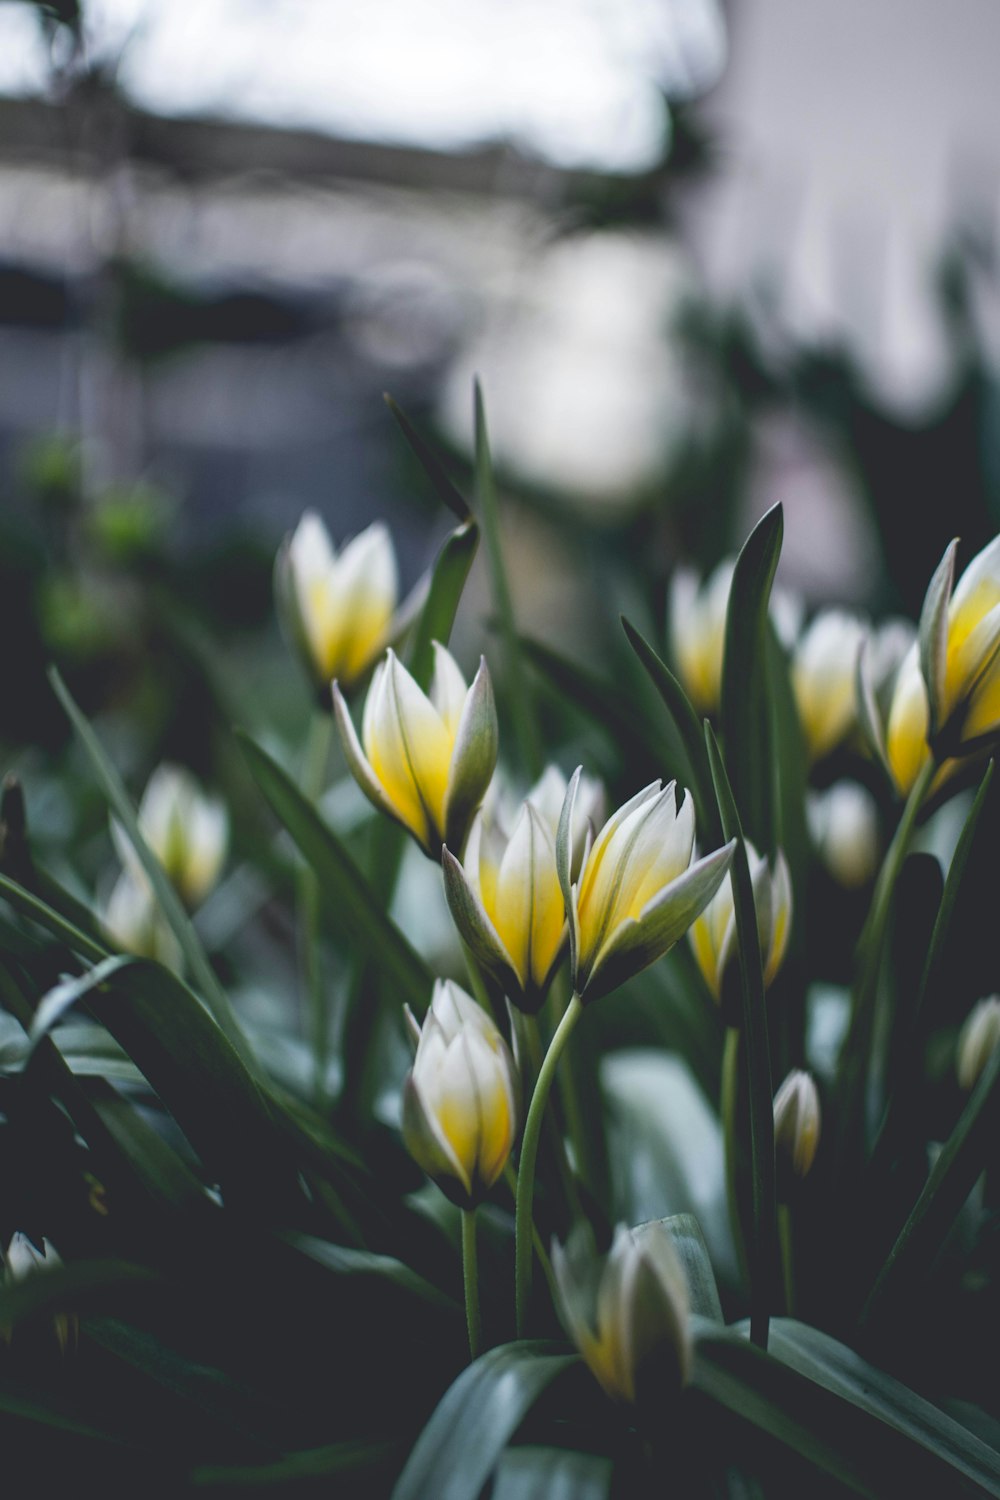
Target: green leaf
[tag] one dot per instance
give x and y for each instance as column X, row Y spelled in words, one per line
column 461, row 1445
column 187, row 1059
column 391, row 1273
column 356, row 1458
column 518, row 694
column 362, row 916
column 432, row 465
column 165, row 1180
column 934, row 968
column 756, row 1049
column 76, row 1288
column 451, row 569
column 695, row 771
column 855, row 1446
column 832, row 1365
column 39, row 911
column 535, row 1473
column 933, row 636
column 746, row 703
column 167, row 898
column 689, row 1242
column 612, row 710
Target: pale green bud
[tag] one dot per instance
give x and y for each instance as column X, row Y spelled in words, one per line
column 977, row 1040
column 796, row 1130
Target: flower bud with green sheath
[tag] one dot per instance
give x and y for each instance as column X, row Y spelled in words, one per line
column 186, row 829
column 796, row 1131
column 639, row 888
column 627, row 1315
column 461, row 1099
column 713, row 933
column 977, row 1041
column 425, row 760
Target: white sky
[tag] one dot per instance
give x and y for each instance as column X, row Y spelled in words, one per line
column 571, row 79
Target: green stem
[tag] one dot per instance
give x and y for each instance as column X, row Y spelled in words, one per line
column 470, row 1276
column 314, row 766
column 856, row 1054
column 787, row 1240
column 729, row 1104
column 523, row 1223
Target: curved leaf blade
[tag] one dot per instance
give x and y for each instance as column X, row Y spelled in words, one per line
column 451, row 569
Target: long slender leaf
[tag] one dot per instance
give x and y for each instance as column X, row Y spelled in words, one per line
column 59, row 926
column 519, row 693
column 836, row 1436
column 461, row 1445
column 756, row 1049
column 355, row 1459
column 432, row 465
column 361, row 914
column 535, row 1473
column 689, row 1242
column 696, row 773
column 613, row 710
column 76, row 1288
column 746, row 706
column 198, row 1074
column 167, row 898
column 451, row 569
column 831, row 1364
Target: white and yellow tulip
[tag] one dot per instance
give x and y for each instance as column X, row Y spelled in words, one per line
column 713, row 934
column 977, row 1041
column 824, row 674
column 843, row 823
column 135, row 923
column 461, row 1098
column 638, row 890
column 948, row 687
column 338, row 610
column 796, row 1130
column 425, row 760
column 631, row 1322
column 507, row 904
column 187, row 830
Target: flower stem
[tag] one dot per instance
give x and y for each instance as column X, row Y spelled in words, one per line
column 856, row 1054
column 729, row 1105
column 470, row 1276
column 529, row 1152
column 313, row 776
column 787, row 1239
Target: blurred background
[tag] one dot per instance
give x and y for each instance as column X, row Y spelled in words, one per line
column 703, row 257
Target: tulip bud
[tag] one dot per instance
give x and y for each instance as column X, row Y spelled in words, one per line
column 713, row 935
column 824, row 669
column 843, row 822
column 977, row 1040
column 461, row 1098
column 696, row 625
column 338, row 612
column 134, row 922
column 638, row 890
column 796, row 1130
column 948, row 688
column 508, row 907
column 186, row 830
column 630, row 1319
column 548, row 795
column 22, row 1259
column 425, row 761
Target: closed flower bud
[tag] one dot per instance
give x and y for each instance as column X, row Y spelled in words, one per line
column 824, row 671
column 22, row 1259
column 337, row 611
column 461, row 1098
column 948, row 688
column 713, row 935
column 548, row 795
column 696, row 624
column 977, row 1040
column 425, row 760
column 134, row 922
column 638, row 890
column 629, row 1317
column 187, row 831
column 796, row 1130
column 843, row 822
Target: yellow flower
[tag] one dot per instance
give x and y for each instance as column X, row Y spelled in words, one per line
column 461, row 1098
column 638, row 890
column 507, row 904
column 713, row 935
column 978, row 1041
column 424, row 760
column 631, row 1321
column 796, row 1130
column 843, row 822
column 187, row 831
column 824, row 670
column 338, row 611
column 948, row 687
